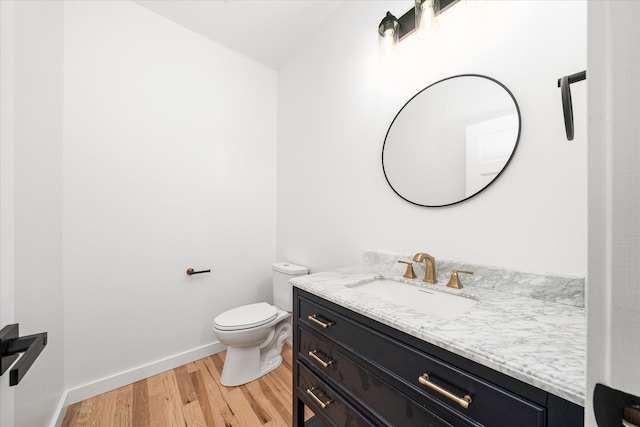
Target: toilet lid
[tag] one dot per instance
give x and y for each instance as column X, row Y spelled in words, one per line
column 245, row 317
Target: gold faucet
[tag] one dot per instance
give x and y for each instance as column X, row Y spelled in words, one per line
column 430, row 269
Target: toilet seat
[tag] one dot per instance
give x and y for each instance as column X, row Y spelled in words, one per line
column 245, row 317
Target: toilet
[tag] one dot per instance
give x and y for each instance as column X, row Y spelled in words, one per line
column 255, row 333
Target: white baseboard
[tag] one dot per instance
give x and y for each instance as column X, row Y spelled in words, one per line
column 132, row 375
column 61, row 410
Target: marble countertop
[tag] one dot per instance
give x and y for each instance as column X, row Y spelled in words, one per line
column 530, row 327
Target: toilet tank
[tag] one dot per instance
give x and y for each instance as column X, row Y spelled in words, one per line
column 282, row 290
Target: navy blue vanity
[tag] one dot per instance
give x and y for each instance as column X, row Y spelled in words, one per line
column 353, row 370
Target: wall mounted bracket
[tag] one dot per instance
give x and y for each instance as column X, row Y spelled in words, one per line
column 567, row 105
column 11, row 345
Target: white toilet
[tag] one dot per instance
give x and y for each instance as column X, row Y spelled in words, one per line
column 255, row 333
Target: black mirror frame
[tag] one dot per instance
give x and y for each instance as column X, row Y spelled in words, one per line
column 515, row 147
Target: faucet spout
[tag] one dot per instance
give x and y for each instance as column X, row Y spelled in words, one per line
column 430, row 266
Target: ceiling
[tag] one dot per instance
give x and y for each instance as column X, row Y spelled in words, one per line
column 267, row 31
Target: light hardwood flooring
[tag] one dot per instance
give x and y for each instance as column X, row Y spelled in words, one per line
column 191, row 395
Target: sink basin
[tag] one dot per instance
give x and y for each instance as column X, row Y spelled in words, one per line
column 440, row 304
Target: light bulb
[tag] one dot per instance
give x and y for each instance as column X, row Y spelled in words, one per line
column 388, row 37
column 426, row 18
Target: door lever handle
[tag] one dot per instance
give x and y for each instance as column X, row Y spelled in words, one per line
column 11, row 345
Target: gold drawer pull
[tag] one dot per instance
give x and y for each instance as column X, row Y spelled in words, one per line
column 464, row 401
column 314, row 355
column 314, row 319
column 322, row 404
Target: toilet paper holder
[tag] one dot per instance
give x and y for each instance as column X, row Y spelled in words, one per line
column 191, row 271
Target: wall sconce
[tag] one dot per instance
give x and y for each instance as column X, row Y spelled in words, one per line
column 388, row 31
column 422, row 19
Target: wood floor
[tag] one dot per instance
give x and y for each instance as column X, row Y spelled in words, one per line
column 191, row 395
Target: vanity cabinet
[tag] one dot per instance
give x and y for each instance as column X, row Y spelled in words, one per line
column 353, row 371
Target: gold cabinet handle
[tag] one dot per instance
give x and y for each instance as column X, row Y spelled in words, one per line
column 314, row 319
column 322, row 404
column 462, row 401
column 314, row 355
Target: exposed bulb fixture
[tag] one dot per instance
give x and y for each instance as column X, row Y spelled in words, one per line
column 421, row 19
column 426, row 18
column 388, row 32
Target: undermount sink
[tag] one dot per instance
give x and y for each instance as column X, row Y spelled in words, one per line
column 440, row 304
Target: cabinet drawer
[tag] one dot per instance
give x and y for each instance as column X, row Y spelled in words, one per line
column 490, row 405
column 326, row 403
column 373, row 393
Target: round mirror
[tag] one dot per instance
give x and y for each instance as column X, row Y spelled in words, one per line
column 451, row 140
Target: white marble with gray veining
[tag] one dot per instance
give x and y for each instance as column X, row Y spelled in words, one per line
column 561, row 289
column 530, row 327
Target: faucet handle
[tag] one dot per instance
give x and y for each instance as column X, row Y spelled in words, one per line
column 409, row 274
column 454, row 281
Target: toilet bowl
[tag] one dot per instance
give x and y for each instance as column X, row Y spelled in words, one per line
column 255, row 333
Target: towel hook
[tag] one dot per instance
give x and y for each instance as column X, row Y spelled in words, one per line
column 567, row 105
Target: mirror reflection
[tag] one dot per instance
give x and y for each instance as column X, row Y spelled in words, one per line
column 451, row 140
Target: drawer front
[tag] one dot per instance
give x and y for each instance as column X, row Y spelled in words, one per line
column 327, row 403
column 375, row 395
column 446, row 384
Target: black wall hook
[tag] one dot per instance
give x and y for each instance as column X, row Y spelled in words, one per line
column 567, row 105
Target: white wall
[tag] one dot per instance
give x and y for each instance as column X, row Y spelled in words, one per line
column 37, row 193
column 336, row 101
column 7, row 194
column 613, row 357
column 169, row 163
